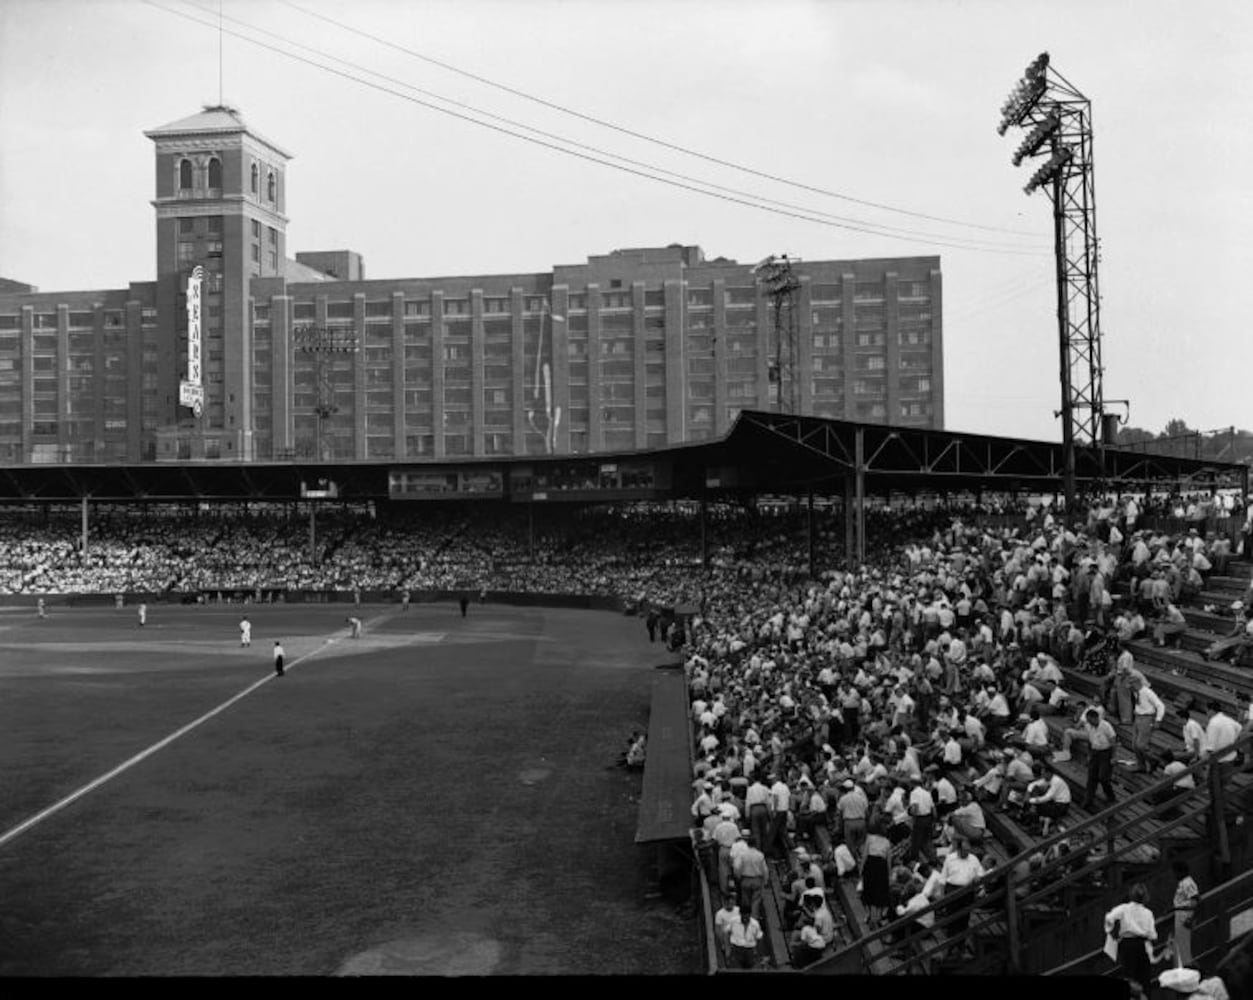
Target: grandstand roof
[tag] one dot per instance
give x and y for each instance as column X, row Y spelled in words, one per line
column 762, row 453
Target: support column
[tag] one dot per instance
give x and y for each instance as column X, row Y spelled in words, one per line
column 313, row 533
column 84, row 547
column 860, row 458
column 809, row 529
column 1011, row 923
column 848, row 520
column 704, row 542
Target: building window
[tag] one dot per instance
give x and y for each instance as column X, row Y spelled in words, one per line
column 273, row 236
column 186, row 253
column 254, row 178
column 256, row 253
column 498, row 443
column 215, row 173
column 256, row 230
column 184, row 175
column 269, row 187
column 186, row 226
column 273, row 261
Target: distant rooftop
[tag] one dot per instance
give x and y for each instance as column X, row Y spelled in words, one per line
column 213, row 119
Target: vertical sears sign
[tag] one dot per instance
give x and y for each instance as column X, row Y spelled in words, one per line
column 191, row 389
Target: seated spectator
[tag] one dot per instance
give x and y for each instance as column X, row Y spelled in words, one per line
column 1170, row 630
column 1052, row 803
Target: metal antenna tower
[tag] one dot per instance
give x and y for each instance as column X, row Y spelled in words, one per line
column 781, row 285
column 323, row 344
column 1060, row 121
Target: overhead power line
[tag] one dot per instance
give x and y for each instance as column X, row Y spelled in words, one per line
column 803, row 214
column 642, row 136
column 959, row 241
column 956, row 241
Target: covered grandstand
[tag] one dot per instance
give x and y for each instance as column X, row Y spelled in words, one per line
column 763, row 453
column 844, row 467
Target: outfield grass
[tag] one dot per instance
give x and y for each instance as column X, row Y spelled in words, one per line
column 435, row 797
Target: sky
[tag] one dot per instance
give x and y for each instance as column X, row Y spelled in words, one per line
column 876, row 116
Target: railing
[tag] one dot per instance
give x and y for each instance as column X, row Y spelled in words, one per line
column 1211, row 931
column 1007, row 895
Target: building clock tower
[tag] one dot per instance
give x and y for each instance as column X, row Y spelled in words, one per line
column 220, row 193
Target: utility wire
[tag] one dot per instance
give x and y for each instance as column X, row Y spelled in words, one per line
column 998, row 300
column 958, row 241
column 646, row 138
column 803, row 215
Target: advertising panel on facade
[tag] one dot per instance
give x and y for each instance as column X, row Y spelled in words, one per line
column 403, row 484
column 482, row 483
column 191, row 389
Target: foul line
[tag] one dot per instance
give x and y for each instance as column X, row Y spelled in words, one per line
column 144, row 754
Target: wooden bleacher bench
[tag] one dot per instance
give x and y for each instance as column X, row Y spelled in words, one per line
column 774, row 925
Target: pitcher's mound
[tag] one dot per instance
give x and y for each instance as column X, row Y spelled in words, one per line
column 461, row 954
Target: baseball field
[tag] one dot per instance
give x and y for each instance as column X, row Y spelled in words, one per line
column 436, row 797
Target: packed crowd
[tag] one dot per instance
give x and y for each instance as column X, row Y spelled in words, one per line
column 648, row 553
column 844, row 709
column 847, row 714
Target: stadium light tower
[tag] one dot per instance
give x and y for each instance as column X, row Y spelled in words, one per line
column 1059, row 123
column 781, row 286
column 323, row 344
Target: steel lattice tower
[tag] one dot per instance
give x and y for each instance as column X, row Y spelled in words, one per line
column 1060, row 121
column 781, row 286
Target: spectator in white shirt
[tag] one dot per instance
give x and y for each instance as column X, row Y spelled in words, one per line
column 922, row 810
column 728, row 914
column 1054, row 802
column 1221, row 731
column 744, row 935
column 1193, row 732
column 960, row 870
column 1135, row 927
column 945, row 796
column 1148, row 711
column 780, row 808
column 1036, row 734
column 966, row 822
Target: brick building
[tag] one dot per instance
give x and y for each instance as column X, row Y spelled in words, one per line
column 637, row 348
